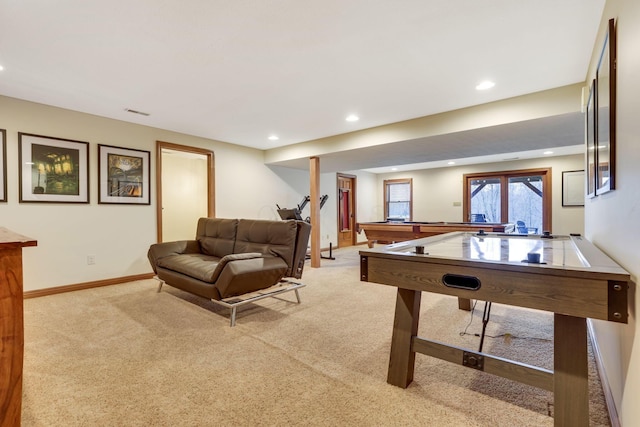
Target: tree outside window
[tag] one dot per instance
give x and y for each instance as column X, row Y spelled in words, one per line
column 521, row 197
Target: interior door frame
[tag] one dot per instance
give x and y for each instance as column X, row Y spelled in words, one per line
column 211, row 206
column 352, row 221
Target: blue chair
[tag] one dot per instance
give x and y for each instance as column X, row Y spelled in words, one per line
column 478, row 218
column 522, row 228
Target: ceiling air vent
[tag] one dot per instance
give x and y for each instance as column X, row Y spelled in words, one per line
column 129, row 110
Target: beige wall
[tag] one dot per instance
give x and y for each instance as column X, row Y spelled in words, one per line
column 118, row 235
column 299, row 181
column 367, row 203
column 436, row 190
column 611, row 220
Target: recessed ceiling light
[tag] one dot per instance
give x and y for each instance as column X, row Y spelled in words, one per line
column 451, row 163
column 273, row 138
column 352, row 118
column 1, row 68
column 485, row 85
column 548, row 152
column 394, row 169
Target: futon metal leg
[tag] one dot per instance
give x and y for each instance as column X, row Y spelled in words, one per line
column 233, row 303
column 159, row 285
column 233, row 316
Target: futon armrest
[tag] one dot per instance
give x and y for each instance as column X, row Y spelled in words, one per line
column 231, row 258
column 240, row 276
column 161, row 250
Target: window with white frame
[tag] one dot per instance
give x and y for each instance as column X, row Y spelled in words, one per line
column 398, row 199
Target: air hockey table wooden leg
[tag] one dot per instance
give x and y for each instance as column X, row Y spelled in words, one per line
column 464, row 304
column 405, row 327
column 570, row 371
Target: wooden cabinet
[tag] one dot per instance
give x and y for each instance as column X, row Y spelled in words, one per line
column 11, row 325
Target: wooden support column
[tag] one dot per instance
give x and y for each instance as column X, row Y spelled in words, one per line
column 314, row 194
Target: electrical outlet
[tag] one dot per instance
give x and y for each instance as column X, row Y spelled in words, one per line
column 457, row 204
column 91, row 259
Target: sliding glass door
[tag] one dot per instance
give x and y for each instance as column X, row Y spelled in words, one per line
column 526, row 203
column 522, row 198
column 486, row 205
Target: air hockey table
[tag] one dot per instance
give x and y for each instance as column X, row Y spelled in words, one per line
column 565, row 275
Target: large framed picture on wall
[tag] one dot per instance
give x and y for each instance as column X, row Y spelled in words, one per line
column 573, row 188
column 606, row 113
column 590, row 143
column 123, row 175
column 53, row 169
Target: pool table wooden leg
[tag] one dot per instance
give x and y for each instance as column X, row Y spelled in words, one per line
column 570, row 371
column 464, row 304
column 405, row 327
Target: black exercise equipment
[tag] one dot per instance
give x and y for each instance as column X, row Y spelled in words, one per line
column 296, row 213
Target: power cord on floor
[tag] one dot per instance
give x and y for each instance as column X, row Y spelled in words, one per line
column 507, row 336
column 473, row 309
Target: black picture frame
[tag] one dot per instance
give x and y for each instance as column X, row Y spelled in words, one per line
column 606, row 114
column 52, row 170
column 573, row 188
column 3, row 165
column 590, row 143
column 124, row 175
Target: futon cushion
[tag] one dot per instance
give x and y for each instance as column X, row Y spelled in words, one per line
column 277, row 238
column 202, row 267
column 198, row 266
column 216, row 236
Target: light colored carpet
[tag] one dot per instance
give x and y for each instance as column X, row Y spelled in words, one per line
column 124, row 355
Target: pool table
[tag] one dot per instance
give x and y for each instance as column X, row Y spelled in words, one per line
column 396, row 231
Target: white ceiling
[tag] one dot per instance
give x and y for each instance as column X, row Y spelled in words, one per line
column 239, row 71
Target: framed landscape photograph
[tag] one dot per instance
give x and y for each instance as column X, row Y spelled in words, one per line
column 3, row 165
column 53, row 169
column 573, row 188
column 590, row 143
column 123, row 175
column 606, row 113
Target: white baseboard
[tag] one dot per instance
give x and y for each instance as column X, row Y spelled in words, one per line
column 606, row 388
